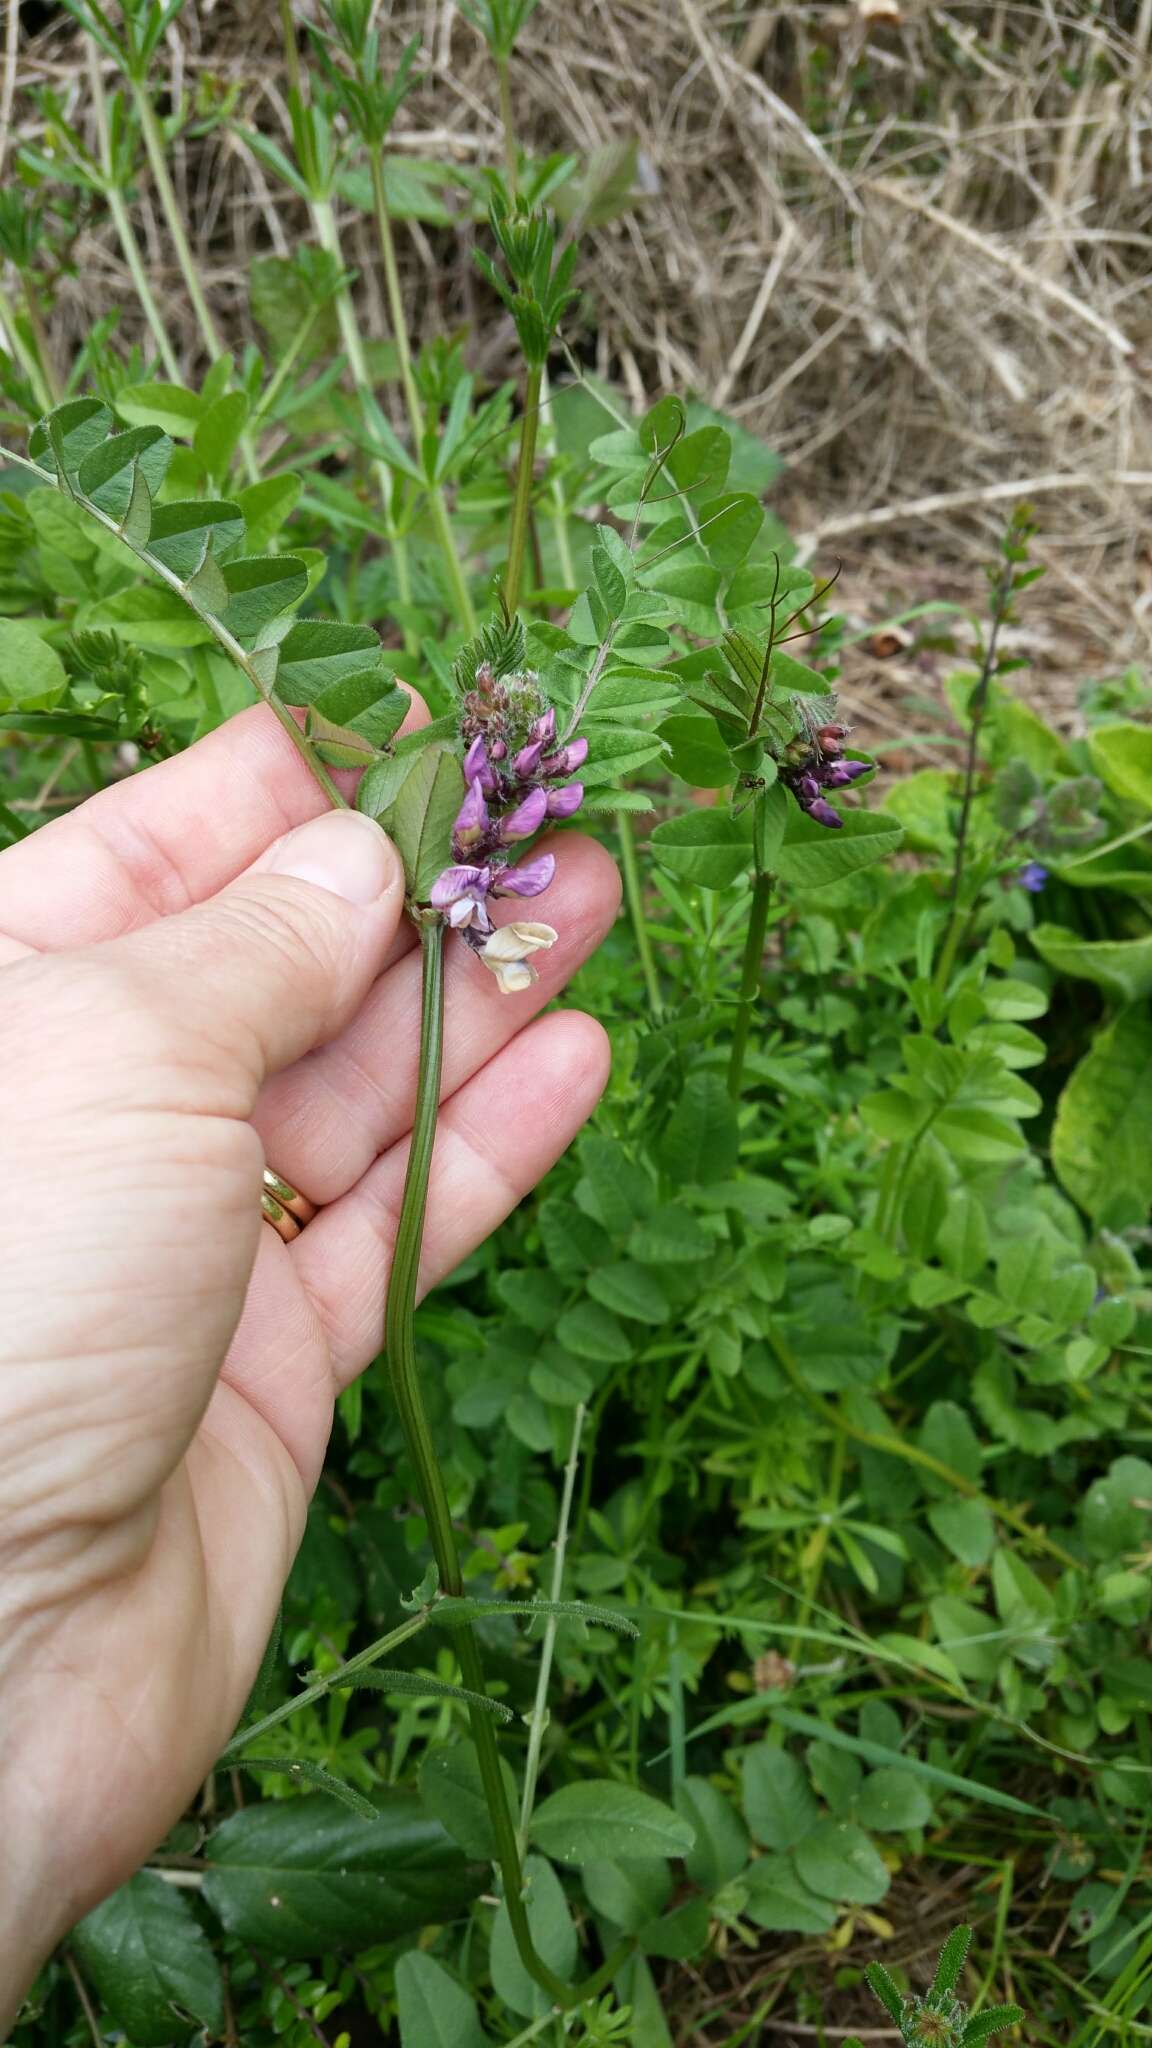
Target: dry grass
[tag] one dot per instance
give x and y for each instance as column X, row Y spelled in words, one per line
column 911, row 255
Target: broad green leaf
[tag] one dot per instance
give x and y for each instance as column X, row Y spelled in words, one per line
column 780, row 1902
column 150, row 618
column 779, row 1805
column 892, row 1801
column 837, row 1861
column 611, row 583
column 728, row 527
column 679, row 1934
column 1122, row 758
column 813, row 854
column 632, row 1291
column 64, row 437
column 700, row 458
column 146, row 1955
column 962, row 1239
column 709, row 847
column 108, row 474
column 453, row 1792
column 947, row 1435
column 368, row 707
column 183, row 533
column 170, row 407
column 218, row 431
column 260, row 588
column 597, row 1818
column 1114, row 1512
column 419, row 817
column 702, row 1141
column 434, row 2010
column 317, row 653
column 770, row 810
column 267, row 505
column 1102, row 1137
column 553, row 1937
column 697, row 753
column 1121, row 967
column 629, row 1894
column 720, row 1850
column 670, row 1237
column 966, row 1528
column 31, row 673
column 795, row 676
column 299, row 1876
column 591, row 1331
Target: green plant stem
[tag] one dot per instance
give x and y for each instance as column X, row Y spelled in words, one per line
column 328, row 236
column 522, row 499
column 539, row 1718
column 977, row 710
column 24, row 356
column 633, row 897
column 457, row 581
column 12, row 823
column 360, row 1662
column 556, row 489
column 126, row 233
column 291, row 50
column 400, row 1351
column 749, row 981
column 92, row 766
column 40, row 338
column 507, row 124
column 284, row 367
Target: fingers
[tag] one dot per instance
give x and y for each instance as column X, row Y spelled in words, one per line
column 326, row 1119
column 162, row 840
column 495, row 1139
column 273, row 965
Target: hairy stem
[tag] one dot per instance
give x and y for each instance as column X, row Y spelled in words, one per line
column 362, row 1661
column 749, row 981
column 400, row 1351
column 522, row 499
column 457, row 581
column 539, row 1719
column 633, row 897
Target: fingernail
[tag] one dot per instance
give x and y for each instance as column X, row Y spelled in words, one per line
column 341, row 851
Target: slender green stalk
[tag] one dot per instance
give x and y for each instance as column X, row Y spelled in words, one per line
column 633, row 897
column 18, row 348
column 92, row 766
column 328, row 236
column 457, row 581
column 522, row 500
column 291, row 50
column 40, row 338
column 977, row 710
column 285, row 366
column 126, row 233
column 12, row 823
column 362, row 1661
column 749, row 981
column 539, row 1718
column 400, row 1350
column 504, row 84
column 556, row 488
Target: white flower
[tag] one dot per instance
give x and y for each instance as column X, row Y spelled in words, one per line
column 507, row 953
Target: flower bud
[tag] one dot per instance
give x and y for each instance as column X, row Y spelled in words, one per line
column 544, row 728
column 844, row 772
column 477, row 767
column 824, row 814
column 529, row 879
column 569, row 758
column 526, row 762
column 526, row 818
column 471, row 820
column 564, row 803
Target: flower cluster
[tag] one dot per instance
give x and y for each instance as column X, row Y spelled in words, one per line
column 516, row 775
column 822, row 766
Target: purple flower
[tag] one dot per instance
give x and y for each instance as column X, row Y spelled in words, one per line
column 823, row 813
column 843, row 772
column 569, row 758
column 531, row 878
column 544, row 729
column 477, row 767
column 1032, row 877
column 526, row 818
column 471, row 820
column 564, row 803
column 526, row 762
column 461, row 893
column 807, row 789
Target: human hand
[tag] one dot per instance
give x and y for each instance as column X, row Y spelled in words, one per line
column 185, row 992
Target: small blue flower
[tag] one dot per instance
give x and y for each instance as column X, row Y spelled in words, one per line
column 1032, row 877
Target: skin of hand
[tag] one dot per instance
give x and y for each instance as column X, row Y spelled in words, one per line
column 201, row 969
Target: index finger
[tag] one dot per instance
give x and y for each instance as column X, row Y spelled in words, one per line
column 161, row 841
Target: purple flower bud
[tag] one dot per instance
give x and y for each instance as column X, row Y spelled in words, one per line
column 564, row 803
column 807, row 789
column 526, row 762
column 544, row 729
column 477, row 767
column 1032, row 877
column 471, row 820
column 529, row 879
column 824, row 814
column 454, row 884
column 843, row 772
column 526, row 818
column 569, row 758
column 497, row 750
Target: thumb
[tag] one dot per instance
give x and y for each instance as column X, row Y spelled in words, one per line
column 280, row 960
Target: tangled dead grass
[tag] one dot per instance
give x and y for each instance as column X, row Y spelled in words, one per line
column 907, row 244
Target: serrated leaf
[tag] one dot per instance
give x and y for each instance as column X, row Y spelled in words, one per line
column 150, row 1962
